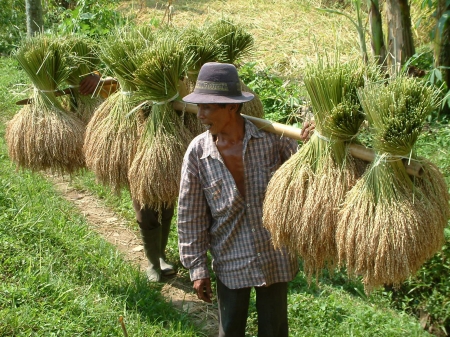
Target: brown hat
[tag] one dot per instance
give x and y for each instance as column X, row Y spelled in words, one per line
column 218, row 83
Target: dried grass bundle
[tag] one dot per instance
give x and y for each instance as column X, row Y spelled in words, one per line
column 113, row 132
column 303, row 197
column 155, row 172
column 254, row 107
column 82, row 61
column 111, row 141
column 43, row 139
column 232, row 40
column 43, row 135
column 389, row 224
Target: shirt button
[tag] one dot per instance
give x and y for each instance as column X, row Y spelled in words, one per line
column 259, row 254
column 253, row 229
column 248, row 205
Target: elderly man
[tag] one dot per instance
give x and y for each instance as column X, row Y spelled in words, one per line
column 223, row 181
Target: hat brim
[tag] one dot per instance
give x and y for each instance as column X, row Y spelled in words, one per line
column 217, row 99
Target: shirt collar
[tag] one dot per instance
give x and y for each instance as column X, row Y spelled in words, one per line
column 251, row 131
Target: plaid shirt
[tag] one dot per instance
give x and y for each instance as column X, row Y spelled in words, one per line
column 213, row 215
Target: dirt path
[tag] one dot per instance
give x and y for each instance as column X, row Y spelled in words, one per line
column 115, row 230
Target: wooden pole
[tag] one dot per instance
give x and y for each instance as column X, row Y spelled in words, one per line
column 358, row 151
column 413, row 168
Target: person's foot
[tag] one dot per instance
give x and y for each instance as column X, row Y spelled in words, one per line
column 153, row 274
column 166, row 269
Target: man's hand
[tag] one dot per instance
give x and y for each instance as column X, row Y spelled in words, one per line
column 89, row 84
column 306, row 130
column 203, row 289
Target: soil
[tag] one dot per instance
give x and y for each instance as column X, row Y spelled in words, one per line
column 116, row 230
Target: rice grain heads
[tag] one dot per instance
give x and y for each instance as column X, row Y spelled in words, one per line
column 42, row 135
column 304, row 195
column 391, row 223
column 156, row 169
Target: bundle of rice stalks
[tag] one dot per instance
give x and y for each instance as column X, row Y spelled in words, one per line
column 303, row 197
column 201, row 48
column 113, row 132
column 234, row 44
column 155, row 172
column 390, row 224
column 82, row 61
column 232, row 40
column 43, row 135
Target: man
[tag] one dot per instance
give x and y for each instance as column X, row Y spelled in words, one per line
column 223, row 180
column 154, row 233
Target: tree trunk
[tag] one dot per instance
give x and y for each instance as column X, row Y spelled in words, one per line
column 35, row 22
column 376, row 29
column 400, row 40
column 442, row 46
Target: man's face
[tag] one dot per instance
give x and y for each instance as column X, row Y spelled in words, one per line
column 214, row 117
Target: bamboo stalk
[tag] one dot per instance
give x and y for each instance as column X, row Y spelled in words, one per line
column 358, row 151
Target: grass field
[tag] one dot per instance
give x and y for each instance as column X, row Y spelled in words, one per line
column 57, row 278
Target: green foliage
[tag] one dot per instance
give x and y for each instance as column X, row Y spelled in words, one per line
column 12, row 24
column 55, row 272
column 282, row 99
column 91, row 18
column 424, row 61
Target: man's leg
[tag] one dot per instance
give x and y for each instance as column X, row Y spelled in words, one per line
column 271, row 305
column 233, row 310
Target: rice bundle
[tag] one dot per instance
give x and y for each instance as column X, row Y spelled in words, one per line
column 390, row 224
column 234, row 44
column 155, row 172
column 201, row 48
column 303, row 197
column 43, row 135
column 113, row 132
column 82, row 61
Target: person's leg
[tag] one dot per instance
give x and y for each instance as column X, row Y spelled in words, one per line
column 271, row 305
column 233, row 310
column 151, row 229
column 166, row 220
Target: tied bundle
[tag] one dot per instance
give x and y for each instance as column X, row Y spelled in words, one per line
column 234, row 44
column 155, row 171
column 42, row 135
column 201, row 48
column 113, row 132
column 82, row 61
column 303, row 197
column 391, row 223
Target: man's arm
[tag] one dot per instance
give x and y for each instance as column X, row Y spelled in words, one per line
column 193, row 227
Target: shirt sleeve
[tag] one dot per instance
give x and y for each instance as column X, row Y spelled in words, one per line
column 194, row 218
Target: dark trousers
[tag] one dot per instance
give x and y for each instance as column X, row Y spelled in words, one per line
column 271, row 306
column 147, row 218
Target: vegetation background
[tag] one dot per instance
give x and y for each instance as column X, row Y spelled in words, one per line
column 58, row 278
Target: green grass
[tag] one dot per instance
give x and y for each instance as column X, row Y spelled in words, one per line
column 57, row 277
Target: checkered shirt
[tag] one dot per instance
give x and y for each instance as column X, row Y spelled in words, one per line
column 213, row 215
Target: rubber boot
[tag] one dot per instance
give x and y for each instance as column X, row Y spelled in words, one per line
column 166, row 269
column 152, row 247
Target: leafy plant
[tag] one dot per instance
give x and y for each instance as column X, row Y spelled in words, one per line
column 12, row 24
column 91, row 18
column 282, row 99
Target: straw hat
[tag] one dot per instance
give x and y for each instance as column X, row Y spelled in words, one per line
column 218, row 83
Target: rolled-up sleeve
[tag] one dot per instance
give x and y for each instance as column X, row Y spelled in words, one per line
column 194, row 218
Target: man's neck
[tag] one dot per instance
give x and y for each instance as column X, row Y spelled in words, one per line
column 232, row 134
